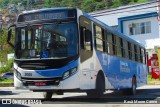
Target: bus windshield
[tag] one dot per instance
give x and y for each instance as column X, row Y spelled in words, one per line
column 55, row 40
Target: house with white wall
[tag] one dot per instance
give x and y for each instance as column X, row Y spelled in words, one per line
column 138, row 21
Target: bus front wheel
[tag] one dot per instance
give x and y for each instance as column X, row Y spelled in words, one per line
column 47, row 95
column 100, row 88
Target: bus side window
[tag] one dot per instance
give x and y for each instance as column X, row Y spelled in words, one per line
column 119, row 46
column 125, row 45
column 135, row 53
column 110, row 43
column 114, row 44
column 129, row 50
column 106, row 46
column 85, row 39
column 99, row 38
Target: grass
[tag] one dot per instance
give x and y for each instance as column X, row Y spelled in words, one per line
column 2, row 80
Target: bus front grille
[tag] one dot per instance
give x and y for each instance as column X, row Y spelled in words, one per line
column 47, row 82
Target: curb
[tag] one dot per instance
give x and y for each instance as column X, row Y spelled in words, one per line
column 6, row 84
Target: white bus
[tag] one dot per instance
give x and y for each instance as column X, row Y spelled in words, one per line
column 64, row 49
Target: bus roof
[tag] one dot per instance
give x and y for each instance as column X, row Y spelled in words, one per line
column 46, row 9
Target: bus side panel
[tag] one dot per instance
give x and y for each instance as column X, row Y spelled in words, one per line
column 119, row 71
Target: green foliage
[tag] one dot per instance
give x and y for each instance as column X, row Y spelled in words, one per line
column 85, row 5
column 2, row 80
column 8, row 66
column 141, row 1
column 6, row 48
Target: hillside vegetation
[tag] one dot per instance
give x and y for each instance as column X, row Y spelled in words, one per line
column 85, row 5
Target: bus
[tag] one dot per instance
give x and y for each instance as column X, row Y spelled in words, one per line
column 61, row 50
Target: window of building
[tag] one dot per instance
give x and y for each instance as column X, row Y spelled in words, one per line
column 140, row 28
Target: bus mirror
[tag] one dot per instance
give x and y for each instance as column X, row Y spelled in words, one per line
column 87, row 35
column 9, row 36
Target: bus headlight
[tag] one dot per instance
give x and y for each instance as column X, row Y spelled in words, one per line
column 69, row 73
column 17, row 74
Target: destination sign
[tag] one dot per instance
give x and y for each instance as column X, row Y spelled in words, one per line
column 47, row 15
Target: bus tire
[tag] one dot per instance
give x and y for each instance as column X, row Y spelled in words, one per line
column 100, row 88
column 132, row 90
column 47, row 95
column 134, row 86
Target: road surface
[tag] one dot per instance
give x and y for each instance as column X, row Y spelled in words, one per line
column 146, row 96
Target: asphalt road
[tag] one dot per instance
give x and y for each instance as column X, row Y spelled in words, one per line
column 146, row 95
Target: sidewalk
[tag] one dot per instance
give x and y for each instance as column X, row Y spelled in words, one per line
column 5, row 84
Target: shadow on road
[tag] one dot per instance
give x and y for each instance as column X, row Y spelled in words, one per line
column 116, row 97
column 7, row 93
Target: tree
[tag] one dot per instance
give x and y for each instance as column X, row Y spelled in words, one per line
column 88, row 5
column 109, row 3
column 124, row 2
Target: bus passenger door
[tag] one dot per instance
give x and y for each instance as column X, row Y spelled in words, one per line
column 86, row 52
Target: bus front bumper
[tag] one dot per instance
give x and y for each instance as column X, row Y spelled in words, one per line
column 67, row 84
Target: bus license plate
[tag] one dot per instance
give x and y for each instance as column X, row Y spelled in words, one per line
column 39, row 83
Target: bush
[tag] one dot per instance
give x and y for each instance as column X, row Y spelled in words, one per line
column 7, row 67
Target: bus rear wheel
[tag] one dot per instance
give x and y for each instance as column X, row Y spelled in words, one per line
column 100, row 88
column 134, row 86
column 47, row 95
column 132, row 90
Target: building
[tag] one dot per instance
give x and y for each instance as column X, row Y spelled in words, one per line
column 140, row 22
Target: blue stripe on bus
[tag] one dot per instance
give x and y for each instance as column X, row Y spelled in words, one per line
column 57, row 72
column 119, row 71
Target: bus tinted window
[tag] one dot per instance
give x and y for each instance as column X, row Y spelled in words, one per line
column 106, row 47
column 119, row 46
column 126, row 49
column 110, row 42
column 129, row 50
column 133, row 53
column 114, row 44
column 98, row 38
column 85, row 31
column 85, row 39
